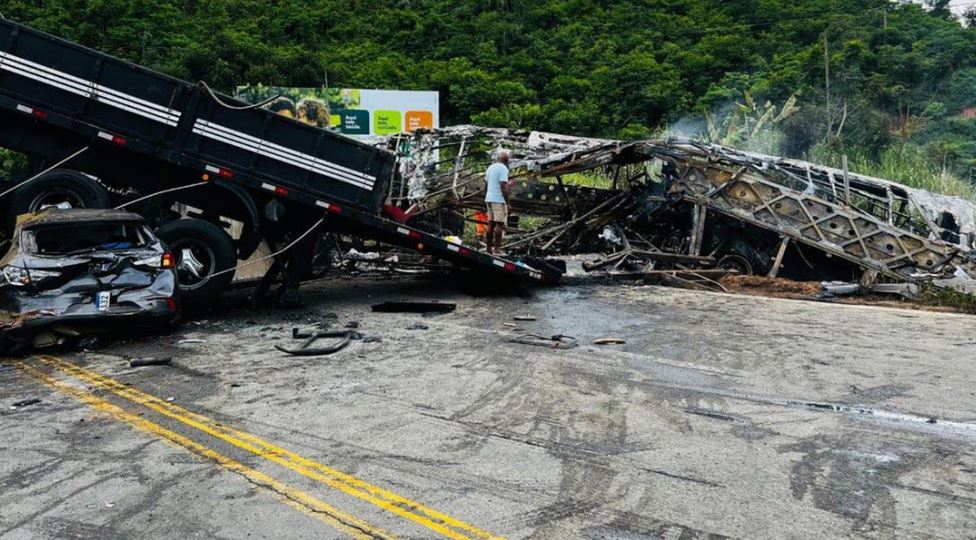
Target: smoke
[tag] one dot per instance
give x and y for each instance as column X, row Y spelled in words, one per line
column 688, row 127
column 703, row 126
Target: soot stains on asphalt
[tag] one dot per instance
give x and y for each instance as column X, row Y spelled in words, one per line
column 854, row 477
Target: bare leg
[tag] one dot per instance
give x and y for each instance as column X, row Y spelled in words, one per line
column 499, row 230
column 490, row 236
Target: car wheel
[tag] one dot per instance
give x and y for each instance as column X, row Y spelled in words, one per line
column 201, row 249
column 60, row 188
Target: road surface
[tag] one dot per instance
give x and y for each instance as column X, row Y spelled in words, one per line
column 721, row 416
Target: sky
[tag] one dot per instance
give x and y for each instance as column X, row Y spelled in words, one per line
column 960, row 5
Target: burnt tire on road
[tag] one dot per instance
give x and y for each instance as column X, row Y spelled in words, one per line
column 201, row 249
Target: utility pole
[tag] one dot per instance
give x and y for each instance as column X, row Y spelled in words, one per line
column 827, row 70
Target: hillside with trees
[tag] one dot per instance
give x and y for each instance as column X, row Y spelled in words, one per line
column 901, row 98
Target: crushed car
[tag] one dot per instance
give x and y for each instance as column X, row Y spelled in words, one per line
column 70, row 273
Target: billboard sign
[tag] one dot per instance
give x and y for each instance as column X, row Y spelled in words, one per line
column 351, row 111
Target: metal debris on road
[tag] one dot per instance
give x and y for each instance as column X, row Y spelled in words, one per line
column 558, row 341
column 143, row 362
column 414, row 307
column 306, row 349
column 609, row 341
column 25, row 403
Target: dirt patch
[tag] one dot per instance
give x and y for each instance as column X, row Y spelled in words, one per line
column 774, row 287
column 811, row 290
column 884, row 301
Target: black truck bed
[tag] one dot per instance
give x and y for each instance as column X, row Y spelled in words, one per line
column 160, row 122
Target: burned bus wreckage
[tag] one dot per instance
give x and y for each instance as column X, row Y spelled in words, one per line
column 680, row 207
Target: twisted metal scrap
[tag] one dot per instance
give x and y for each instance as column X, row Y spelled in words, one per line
column 894, row 230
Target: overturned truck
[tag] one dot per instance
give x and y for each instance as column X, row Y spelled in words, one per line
column 681, row 204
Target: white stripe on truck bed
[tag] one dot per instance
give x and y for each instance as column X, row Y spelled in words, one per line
column 85, row 88
column 286, row 155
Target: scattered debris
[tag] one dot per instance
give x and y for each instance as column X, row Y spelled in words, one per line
column 906, row 290
column 840, row 288
column 190, row 341
column 524, row 318
column 354, row 255
column 414, row 307
column 609, row 341
column 559, row 341
column 418, row 326
column 89, row 343
column 685, row 213
column 352, row 324
column 306, row 349
column 143, row 362
column 25, row 403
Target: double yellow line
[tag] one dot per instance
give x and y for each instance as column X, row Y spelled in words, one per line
column 348, row 484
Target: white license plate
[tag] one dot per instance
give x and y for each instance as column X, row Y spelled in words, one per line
column 103, row 301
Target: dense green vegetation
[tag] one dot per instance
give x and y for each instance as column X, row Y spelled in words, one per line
column 902, row 77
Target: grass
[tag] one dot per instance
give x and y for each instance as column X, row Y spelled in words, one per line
column 948, row 297
column 907, row 165
column 10, row 163
column 586, row 180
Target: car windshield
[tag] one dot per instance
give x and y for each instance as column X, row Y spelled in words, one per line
column 86, row 237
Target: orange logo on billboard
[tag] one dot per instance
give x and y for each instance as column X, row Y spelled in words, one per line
column 419, row 120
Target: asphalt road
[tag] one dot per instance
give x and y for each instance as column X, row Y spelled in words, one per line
column 720, row 416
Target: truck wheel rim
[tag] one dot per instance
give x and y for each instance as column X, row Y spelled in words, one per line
column 195, row 263
column 59, row 198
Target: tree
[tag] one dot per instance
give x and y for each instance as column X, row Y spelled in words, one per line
column 617, row 68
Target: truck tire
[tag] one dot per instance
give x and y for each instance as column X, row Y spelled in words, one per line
column 200, row 249
column 61, row 188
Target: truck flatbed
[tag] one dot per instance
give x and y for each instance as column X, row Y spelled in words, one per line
column 144, row 132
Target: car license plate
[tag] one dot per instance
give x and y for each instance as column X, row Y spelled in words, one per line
column 103, row 301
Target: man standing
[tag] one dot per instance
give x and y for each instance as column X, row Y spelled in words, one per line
column 496, row 199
